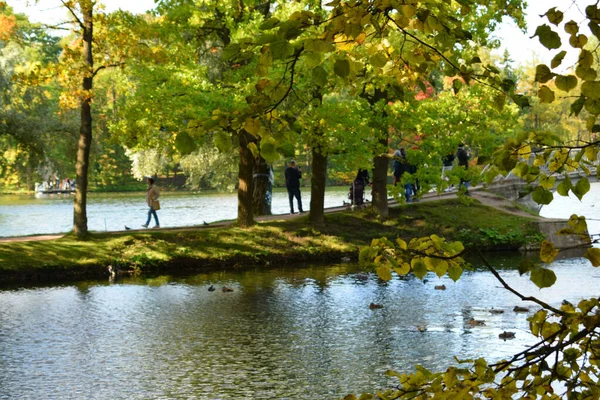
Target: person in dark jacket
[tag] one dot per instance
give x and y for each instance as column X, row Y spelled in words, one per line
column 402, row 166
column 463, row 161
column 292, row 183
column 357, row 189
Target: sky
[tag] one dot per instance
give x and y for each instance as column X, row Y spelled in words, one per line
column 523, row 50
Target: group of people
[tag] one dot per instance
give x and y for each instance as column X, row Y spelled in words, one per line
column 411, row 186
column 56, row 184
column 293, row 174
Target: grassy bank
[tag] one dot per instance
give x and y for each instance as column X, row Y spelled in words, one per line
column 274, row 241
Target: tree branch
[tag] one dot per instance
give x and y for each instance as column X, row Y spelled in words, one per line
column 106, row 66
column 513, row 291
column 73, row 14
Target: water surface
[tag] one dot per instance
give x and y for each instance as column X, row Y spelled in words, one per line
column 300, row 333
column 27, row 215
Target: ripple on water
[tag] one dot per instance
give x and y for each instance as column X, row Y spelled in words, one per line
column 282, row 333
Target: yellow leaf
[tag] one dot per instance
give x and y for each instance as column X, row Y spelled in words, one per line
column 252, row 126
column 594, row 256
column 403, row 269
column 384, row 272
column 401, row 244
column 548, row 252
column 524, row 151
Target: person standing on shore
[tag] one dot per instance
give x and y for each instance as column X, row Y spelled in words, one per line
column 292, row 183
column 463, row 161
column 152, row 195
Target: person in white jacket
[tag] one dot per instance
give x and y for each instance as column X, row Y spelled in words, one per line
column 152, row 195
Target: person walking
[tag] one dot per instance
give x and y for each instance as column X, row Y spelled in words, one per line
column 463, row 161
column 447, row 164
column 152, row 195
column 292, row 183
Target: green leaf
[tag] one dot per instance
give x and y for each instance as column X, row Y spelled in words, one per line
column 594, row 256
column 592, row 106
column 269, row 24
column 564, row 187
column 543, row 277
column 266, row 38
column 281, row 49
column 499, row 102
column 572, row 27
column 577, row 106
column 520, row 100
column 268, row 149
column 231, row 51
column 223, row 142
column 318, row 46
column 558, row 59
column 526, row 265
column 548, row 38
column 578, row 41
column 566, row 83
column 184, row 143
column 546, row 95
column 418, row 267
column 454, row 272
column 342, row 68
column 586, row 59
column 543, row 73
column 591, row 89
column 379, row 60
column 581, row 188
column 320, row 76
column 554, row 16
column 542, row 196
column 585, row 73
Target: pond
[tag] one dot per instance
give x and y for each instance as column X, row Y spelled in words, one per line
column 27, row 215
column 282, row 333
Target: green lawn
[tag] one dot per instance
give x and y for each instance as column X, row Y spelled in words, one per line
column 273, row 241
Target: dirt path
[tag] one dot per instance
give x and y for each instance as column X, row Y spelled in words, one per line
column 486, row 198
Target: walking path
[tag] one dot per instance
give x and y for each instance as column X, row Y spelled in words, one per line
column 486, row 198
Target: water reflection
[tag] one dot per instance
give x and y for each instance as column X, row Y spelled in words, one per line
column 282, row 333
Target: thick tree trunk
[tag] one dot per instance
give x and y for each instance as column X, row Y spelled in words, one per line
column 317, row 187
column 80, row 227
column 262, row 188
column 245, row 192
column 380, row 170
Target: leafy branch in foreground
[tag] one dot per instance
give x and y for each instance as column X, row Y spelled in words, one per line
column 563, row 363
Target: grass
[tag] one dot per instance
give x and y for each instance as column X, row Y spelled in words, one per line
column 273, row 241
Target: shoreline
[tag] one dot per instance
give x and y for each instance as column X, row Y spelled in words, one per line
column 274, row 239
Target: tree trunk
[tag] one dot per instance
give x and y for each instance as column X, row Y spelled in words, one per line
column 262, row 188
column 80, row 227
column 29, row 173
column 380, row 171
column 245, row 193
column 317, row 187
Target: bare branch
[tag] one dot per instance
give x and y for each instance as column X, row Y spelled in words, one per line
column 73, row 14
column 513, row 291
column 119, row 64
